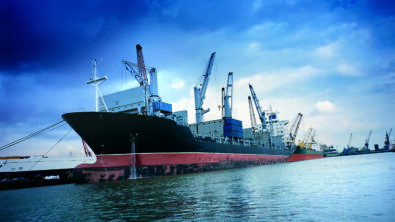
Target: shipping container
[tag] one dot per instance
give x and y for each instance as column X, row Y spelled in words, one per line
column 161, row 106
column 229, row 121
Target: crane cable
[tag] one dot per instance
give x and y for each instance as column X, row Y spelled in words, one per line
column 43, row 156
column 39, row 132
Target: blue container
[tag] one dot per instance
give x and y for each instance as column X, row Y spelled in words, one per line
column 229, row 121
column 164, row 107
column 233, row 133
column 232, row 128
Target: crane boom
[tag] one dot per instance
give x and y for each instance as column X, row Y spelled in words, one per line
column 136, row 75
column 140, row 63
column 303, row 142
column 261, row 114
column 200, row 90
column 387, row 139
column 349, row 142
column 311, row 140
column 228, row 98
column 367, row 140
column 293, row 130
column 252, row 114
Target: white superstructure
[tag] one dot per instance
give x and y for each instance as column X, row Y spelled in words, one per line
column 42, row 163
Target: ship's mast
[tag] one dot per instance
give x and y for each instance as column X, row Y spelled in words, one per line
column 97, row 81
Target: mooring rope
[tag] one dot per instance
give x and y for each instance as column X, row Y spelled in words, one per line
column 39, row 132
column 43, row 156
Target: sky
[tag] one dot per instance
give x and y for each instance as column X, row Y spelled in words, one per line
column 333, row 61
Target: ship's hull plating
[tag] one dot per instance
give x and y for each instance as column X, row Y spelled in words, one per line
column 135, row 146
column 120, row 167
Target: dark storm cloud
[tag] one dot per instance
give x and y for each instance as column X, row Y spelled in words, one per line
column 37, row 34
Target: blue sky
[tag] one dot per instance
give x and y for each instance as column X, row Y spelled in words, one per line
column 334, row 61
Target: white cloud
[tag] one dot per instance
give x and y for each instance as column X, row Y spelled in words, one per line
column 347, row 69
column 268, row 82
column 327, row 51
column 177, row 84
column 254, row 46
column 325, row 106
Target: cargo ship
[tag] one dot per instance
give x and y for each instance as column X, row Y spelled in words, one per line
column 305, row 154
column 330, row 152
column 305, row 150
column 136, row 135
column 139, row 146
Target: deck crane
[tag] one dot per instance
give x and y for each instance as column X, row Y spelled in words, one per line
column 387, row 139
column 367, row 141
column 311, row 140
column 200, row 90
column 293, row 130
column 302, row 143
column 228, row 98
column 140, row 63
column 151, row 87
column 349, row 142
column 261, row 114
column 252, row 115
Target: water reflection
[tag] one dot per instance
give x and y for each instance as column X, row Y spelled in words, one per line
column 344, row 188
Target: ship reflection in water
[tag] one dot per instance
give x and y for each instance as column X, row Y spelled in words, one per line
column 350, row 188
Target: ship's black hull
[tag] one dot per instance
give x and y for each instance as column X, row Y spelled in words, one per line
column 152, row 146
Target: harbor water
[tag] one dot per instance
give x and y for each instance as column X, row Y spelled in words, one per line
column 348, row 188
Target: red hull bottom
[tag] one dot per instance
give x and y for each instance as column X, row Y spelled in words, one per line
column 300, row 157
column 122, row 167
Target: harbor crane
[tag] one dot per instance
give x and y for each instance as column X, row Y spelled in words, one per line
column 200, row 90
column 228, row 97
column 252, row 115
column 261, row 114
column 151, row 86
column 367, row 141
column 293, row 130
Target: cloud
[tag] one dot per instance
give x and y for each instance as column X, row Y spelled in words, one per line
column 177, row 84
column 256, row 5
column 254, row 46
column 269, row 82
column 327, row 51
column 47, row 33
column 325, row 106
column 347, row 69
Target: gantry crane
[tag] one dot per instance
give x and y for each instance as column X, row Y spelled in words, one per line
column 200, row 90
